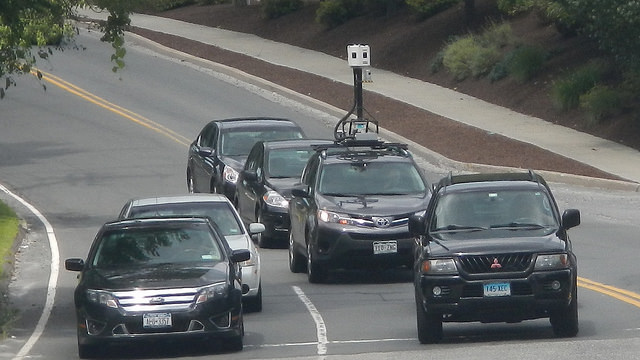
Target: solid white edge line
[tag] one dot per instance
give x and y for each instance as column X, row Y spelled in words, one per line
column 53, row 278
column 321, row 328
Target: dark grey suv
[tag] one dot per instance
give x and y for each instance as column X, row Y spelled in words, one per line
column 494, row 248
column 353, row 207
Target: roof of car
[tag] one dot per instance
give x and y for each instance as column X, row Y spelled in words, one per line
column 493, row 180
column 143, row 222
column 294, row 143
column 185, row 198
column 254, row 121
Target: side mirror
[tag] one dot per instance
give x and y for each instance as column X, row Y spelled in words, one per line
column 300, row 192
column 249, row 175
column 74, row 264
column 417, row 226
column 255, row 228
column 240, row 255
column 206, row 151
column 570, row 218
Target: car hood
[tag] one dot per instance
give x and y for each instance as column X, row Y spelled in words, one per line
column 238, row 241
column 377, row 205
column 235, row 162
column 283, row 185
column 484, row 245
column 160, row 276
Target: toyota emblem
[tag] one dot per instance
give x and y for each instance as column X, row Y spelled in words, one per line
column 381, row 222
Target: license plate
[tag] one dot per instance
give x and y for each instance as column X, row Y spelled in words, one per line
column 497, row 289
column 385, row 247
column 156, row 320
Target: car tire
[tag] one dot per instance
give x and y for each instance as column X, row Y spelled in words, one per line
column 315, row 272
column 262, row 240
column 254, row 303
column 296, row 262
column 429, row 325
column 565, row 321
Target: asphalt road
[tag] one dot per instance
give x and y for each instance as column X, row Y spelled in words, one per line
column 77, row 151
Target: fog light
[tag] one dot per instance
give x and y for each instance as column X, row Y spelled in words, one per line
column 436, row 290
column 555, row 285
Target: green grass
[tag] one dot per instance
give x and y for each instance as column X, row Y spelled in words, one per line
column 8, row 230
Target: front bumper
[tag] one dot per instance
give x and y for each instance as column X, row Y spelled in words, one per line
column 251, row 278
column 276, row 222
column 353, row 247
column 532, row 297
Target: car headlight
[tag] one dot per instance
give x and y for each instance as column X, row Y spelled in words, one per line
column 439, row 267
column 336, row 218
column 218, row 290
column 274, row 199
column 552, row 261
column 230, row 175
column 102, row 297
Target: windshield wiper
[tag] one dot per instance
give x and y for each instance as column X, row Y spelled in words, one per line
column 457, row 228
column 517, row 226
column 336, row 194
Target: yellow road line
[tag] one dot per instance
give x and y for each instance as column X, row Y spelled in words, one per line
column 128, row 114
column 623, row 295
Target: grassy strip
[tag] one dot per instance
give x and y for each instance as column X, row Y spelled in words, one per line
column 9, row 224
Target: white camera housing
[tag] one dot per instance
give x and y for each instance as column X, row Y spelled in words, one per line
column 358, row 55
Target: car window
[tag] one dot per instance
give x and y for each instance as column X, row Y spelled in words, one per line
column 140, row 247
column 287, row 163
column 371, row 178
column 239, row 143
column 219, row 212
column 493, row 209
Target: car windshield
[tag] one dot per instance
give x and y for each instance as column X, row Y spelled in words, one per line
column 239, row 143
column 502, row 209
column 219, row 212
column 287, row 163
column 154, row 246
column 370, row 178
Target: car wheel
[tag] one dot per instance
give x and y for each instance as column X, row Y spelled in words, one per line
column 296, row 262
column 254, row 303
column 315, row 272
column 565, row 321
column 429, row 325
column 261, row 239
column 190, row 183
column 88, row 351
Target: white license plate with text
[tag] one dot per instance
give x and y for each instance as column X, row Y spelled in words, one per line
column 156, row 320
column 385, row 247
column 497, row 289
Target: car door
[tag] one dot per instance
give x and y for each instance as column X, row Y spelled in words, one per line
column 246, row 189
column 302, row 209
column 204, row 158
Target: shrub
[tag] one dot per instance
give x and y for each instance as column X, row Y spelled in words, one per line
column 526, row 62
column 469, row 57
column 513, row 7
column 497, row 35
column 423, row 9
column 272, row 9
column 567, row 90
column 600, row 102
column 332, row 13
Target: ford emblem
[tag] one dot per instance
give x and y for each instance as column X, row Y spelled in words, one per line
column 156, row 301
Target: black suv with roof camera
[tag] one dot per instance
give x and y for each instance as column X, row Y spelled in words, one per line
column 494, row 248
column 352, row 207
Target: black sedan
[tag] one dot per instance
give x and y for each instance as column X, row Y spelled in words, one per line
column 264, row 187
column 218, row 154
column 158, row 279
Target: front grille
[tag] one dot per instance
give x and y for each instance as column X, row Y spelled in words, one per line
column 156, row 300
column 482, row 264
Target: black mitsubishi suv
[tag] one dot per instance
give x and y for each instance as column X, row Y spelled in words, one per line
column 353, row 206
column 494, row 248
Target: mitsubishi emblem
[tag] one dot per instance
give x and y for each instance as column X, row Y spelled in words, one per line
column 496, row 264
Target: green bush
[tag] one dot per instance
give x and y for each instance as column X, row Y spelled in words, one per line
column 526, row 62
column 272, row 9
column 469, row 57
column 332, row 13
column 513, row 7
column 600, row 102
column 496, row 35
column 423, row 9
column 566, row 91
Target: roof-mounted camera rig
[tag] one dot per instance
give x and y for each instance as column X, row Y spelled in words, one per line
column 347, row 128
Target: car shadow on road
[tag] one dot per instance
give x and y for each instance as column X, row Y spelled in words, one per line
column 370, row 276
